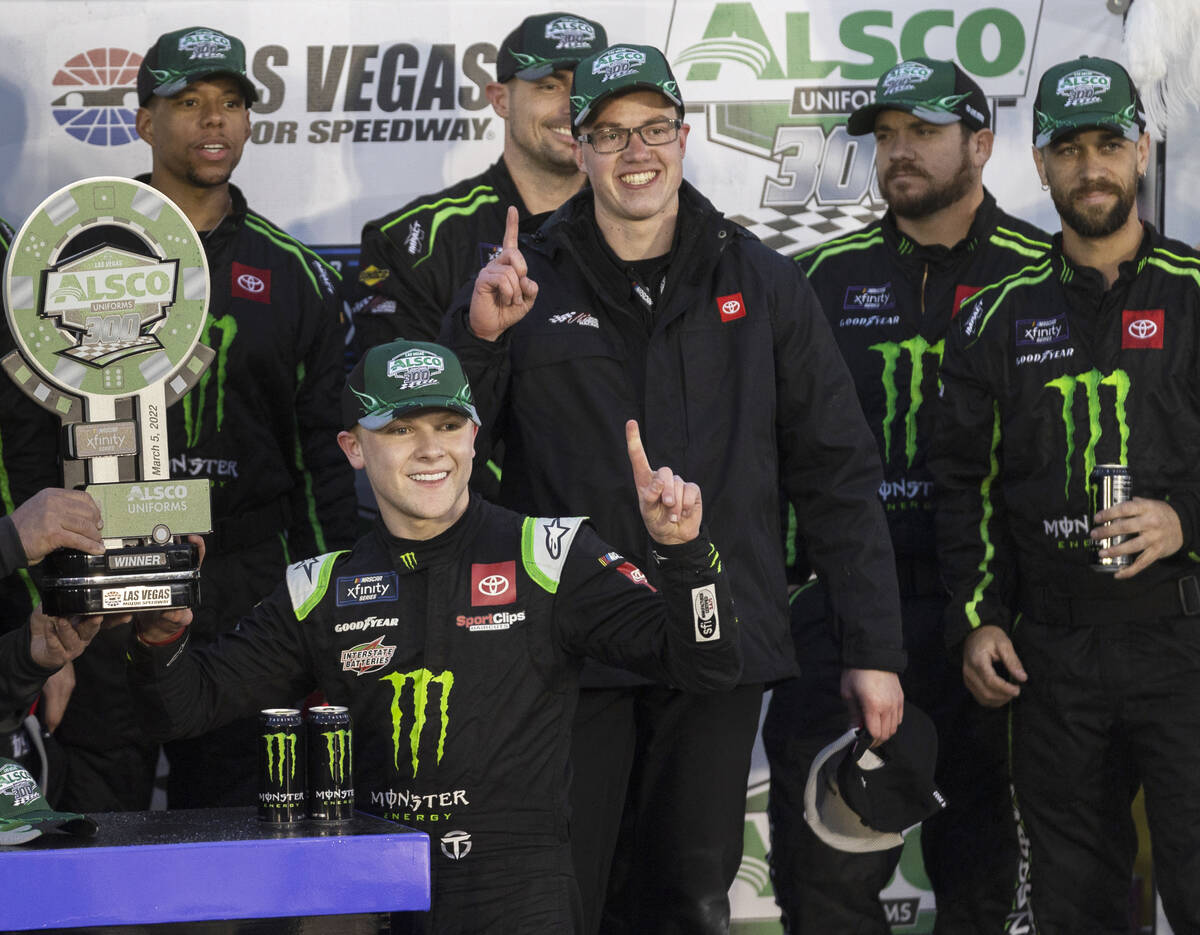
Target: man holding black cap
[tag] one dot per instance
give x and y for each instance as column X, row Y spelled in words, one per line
column 415, row 259
column 1084, row 359
column 461, row 664
column 890, row 291
column 260, row 423
column 651, row 304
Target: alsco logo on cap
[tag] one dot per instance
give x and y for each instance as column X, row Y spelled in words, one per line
column 571, row 33
column 204, row 43
column 415, row 368
column 617, row 63
column 1083, row 87
column 905, row 76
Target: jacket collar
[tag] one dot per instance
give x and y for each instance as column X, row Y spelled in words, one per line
column 986, row 217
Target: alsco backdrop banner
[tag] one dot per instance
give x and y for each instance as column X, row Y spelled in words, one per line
column 365, row 105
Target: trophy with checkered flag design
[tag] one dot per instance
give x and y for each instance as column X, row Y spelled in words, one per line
column 106, row 293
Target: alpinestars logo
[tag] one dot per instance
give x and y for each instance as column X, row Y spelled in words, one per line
column 555, row 530
column 411, row 712
column 367, row 657
column 1093, row 381
column 110, row 302
column 98, row 103
column 919, row 353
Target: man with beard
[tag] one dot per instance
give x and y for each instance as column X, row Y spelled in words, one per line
column 260, row 424
column 1084, row 620
column 415, row 259
column 890, row 291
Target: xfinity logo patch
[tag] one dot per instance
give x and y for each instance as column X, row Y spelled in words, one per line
column 868, row 298
column 1039, row 331
column 367, row 589
column 251, row 283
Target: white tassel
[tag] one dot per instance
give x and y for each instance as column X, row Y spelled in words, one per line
column 1161, row 39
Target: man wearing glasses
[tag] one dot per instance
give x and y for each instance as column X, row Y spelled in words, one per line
column 650, row 303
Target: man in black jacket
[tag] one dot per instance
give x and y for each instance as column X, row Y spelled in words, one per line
column 259, row 425
column 455, row 632
column 413, row 260
column 1085, row 358
column 650, row 304
column 890, row 291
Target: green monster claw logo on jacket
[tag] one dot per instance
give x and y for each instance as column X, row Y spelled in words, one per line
column 1092, row 381
column 193, row 412
column 917, row 349
column 421, row 679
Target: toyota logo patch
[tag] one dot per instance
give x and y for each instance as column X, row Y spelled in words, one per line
column 1142, row 328
column 493, row 583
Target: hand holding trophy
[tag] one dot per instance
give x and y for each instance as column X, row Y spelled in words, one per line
column 106, row 293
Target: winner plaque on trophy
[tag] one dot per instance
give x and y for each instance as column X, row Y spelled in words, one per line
column 106, row 293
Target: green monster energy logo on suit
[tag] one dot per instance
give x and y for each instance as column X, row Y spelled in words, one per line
column 1092, row 381
column 330, row 763
column 917, row 350
column 281, row 784
column 419, row 714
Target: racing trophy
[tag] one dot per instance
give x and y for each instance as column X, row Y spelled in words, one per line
column 106, row 293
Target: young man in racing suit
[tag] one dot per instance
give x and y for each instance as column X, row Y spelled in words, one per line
column 1085, row 358
column 455, row 632
column 412, row 261
column 651, row 304
column 890, row 291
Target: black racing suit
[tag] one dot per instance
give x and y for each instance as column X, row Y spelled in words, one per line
column 729, row 366
column 459, row 657
column 414, row 260
column 890, row 301
column 261, row 425
column 1046, row 374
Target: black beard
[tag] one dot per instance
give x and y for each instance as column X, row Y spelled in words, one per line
column 1089, row 225
column 933, row 199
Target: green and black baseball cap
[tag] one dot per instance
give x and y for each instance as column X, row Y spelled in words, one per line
column 547, row 43
column 1086, row 92
column 404, row 376
column 931, row 89
column 618, row 70
column 24, row 812
column 178, row 58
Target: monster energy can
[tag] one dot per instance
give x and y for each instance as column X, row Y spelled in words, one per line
column 280, row 765
column 1111, row 484
column 330, row 763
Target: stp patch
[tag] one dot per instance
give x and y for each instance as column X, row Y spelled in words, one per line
column 250, row 282
column 731, row 306
column 1142, row 328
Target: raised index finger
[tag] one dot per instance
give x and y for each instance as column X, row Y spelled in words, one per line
column 642, row 475
column 511, row 229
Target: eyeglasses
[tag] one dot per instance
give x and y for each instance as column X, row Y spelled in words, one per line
column 616, row 139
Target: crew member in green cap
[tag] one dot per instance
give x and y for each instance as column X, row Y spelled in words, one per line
column 455, row 631
column 651, row 304
column 1058, row 381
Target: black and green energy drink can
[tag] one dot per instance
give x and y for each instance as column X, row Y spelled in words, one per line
column 280, row 765
column 330, row 763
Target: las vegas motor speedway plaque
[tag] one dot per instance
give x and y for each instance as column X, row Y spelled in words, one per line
column 106, row 293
